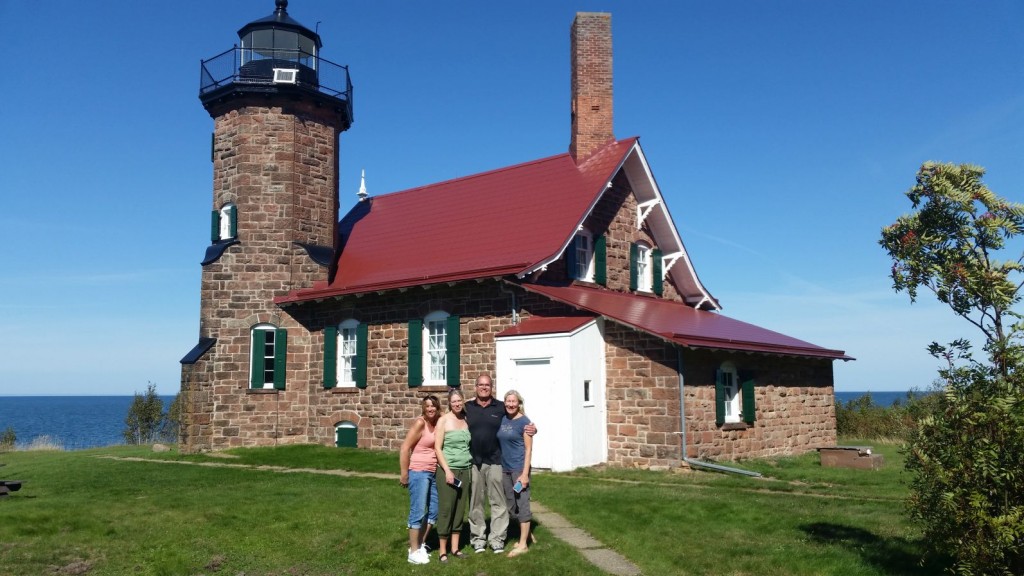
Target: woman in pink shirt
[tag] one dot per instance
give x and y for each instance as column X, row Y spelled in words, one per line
column 419, row 462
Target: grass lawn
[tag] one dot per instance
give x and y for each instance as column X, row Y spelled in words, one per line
column 267, row 512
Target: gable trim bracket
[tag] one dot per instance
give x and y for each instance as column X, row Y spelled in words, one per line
column 669, row 260
column 643, row 210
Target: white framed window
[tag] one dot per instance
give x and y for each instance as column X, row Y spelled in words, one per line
column 644, row 269
column 588, row 394
column 348, row 347
column 268, row 353
column 583, row 256
column 227, row 212
column 729, row 392
column 435, row 346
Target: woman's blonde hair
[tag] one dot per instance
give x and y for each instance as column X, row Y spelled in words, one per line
column 522, row 403
column 453, row 393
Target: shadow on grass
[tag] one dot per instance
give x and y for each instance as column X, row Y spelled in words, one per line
column 893, row 555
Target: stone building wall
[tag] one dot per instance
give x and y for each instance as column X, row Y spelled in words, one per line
column 794, row 398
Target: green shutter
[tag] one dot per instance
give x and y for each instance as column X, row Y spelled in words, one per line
column 215, row 226
column 453, row 340
column 719, row 399
column 633, row 255
column 656, row 284
column 747, row 384
column 330, row 356
column 600, row 257
column 415, row 353
column 280, row 357
column 362, row 338
column 259, row 342
column 233, row 222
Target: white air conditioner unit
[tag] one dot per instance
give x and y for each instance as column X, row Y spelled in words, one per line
column 285, row 75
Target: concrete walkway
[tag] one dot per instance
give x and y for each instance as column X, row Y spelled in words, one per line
column 604, row 558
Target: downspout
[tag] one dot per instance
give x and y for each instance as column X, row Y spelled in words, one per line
column 682, row 426
column 515, row 307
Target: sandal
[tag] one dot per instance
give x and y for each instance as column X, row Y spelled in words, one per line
column 460, row 554
column 443, row 558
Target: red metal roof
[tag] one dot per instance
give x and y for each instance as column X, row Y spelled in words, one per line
column 682, row 324
column 490, row 224
column 550, row 325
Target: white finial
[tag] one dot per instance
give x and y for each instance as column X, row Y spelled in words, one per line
column 362, row 187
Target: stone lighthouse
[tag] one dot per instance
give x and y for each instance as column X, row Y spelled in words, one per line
column 278, row 109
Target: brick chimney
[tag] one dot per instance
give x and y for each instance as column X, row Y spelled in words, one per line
column 590, row 41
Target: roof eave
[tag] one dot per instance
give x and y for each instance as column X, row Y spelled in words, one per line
column 318, row 295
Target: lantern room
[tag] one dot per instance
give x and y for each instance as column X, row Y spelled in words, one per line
column 276, row 55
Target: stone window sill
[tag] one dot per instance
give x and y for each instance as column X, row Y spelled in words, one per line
column 735, row 426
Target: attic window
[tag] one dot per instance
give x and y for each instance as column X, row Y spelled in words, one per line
column 644, row 269
column 581, row 257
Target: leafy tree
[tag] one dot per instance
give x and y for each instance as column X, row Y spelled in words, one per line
column 145, row 417
column 967, row 455
column 172, row 421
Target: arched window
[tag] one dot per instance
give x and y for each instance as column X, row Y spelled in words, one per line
column 224, row 225
column 434, row 355
column 734, row 395
column 645, row 268
column 268, row 352
column 345, row 354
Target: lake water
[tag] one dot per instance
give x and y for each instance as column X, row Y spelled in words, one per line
column 879, row 398
column 79, row 422
column 73, row 422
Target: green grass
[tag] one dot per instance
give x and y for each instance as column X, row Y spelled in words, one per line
column 85, row 513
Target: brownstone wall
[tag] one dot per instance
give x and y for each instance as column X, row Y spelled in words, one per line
column 794, row 398
column 643, row 399
column 229, row 414
column 277, row 162
column 794, row 401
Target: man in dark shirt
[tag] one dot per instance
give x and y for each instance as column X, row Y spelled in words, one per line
column 484, row 414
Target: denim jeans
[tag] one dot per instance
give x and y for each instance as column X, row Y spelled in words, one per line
column 422, row 498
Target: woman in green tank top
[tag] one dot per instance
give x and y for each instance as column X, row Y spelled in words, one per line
column 451, row 443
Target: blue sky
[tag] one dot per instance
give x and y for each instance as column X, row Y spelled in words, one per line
column 782, row 134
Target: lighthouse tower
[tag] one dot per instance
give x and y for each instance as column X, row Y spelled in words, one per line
column 278, row 109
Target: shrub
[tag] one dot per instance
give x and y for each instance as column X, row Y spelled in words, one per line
column 8, row 439
column 863, row 418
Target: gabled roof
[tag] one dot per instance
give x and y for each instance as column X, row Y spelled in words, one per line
column 682, row 324
column 509, row 221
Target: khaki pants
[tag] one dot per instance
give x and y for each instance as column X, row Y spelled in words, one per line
column 487, row 485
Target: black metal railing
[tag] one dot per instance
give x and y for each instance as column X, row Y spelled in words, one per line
column 246, row 66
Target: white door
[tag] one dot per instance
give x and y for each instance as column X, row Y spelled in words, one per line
column 533, row 379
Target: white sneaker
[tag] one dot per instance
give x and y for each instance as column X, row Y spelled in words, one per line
column 418, row 556
column 499, row 550
column 479, row 549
